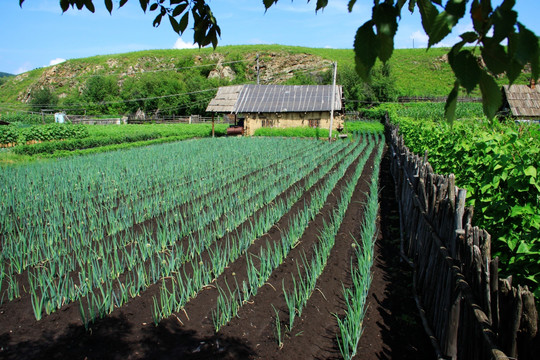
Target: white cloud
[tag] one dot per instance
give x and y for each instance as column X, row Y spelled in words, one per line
column 181, row 44
column 56, row 61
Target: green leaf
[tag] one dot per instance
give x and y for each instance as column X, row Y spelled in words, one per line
column 179, row 9
column 174, row 24
column 465, row 66
column 528, row 51
column 480, row 14
column 90, row 6
column 109, row 5
column 469, row 36
column 385, row 18
column 531, row 171
column 122, row 3
column 183, row 22
column 64, row 5
column 428, row 12
column 491, row 95
column 443, row 23
column 321, row 4
column 157, row 20
column 412, row 4
column 451, row 102
column 153, row 7
column 351, row 4
column 503, row 23
column 456, row 8
column 494, row 56
column 366, row 49
column 268, row 3
column 144, row 4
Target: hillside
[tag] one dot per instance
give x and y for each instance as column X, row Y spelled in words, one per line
column 118, row 79
column 3, row 74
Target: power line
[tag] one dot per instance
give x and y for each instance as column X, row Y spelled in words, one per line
column 149, row 71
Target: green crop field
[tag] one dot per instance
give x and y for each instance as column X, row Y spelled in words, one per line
column 192, row 224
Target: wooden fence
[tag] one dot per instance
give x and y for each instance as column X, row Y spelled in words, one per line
column 193, row 119
column 466, row 309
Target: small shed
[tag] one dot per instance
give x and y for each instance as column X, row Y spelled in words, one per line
column 522, row 102
column 280, row 105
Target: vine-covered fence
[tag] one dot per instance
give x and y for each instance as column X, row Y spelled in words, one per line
column 467, row 310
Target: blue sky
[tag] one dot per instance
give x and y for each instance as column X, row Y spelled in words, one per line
column 40, row 35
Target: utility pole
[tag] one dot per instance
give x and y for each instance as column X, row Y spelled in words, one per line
column 332, row 102
column 257, row 69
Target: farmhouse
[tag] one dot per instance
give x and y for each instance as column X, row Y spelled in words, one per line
column 522, row 102
column 280, row 105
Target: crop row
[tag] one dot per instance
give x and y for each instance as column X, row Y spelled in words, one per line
column 100, row 265
column 351, row 325
column 230, row 251
column 273, row 255
column 217, row 254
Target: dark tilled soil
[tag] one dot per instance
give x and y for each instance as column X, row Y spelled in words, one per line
column 391, row 328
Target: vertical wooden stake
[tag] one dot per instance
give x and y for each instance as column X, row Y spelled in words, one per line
column 332, row 101
column 212, row 124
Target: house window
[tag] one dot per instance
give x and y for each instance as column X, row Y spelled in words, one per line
column 267, row 123
column 314, row 123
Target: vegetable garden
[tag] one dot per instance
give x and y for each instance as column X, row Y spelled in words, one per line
column 228, row 246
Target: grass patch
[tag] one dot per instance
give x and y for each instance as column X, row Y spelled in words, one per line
column 301, row 131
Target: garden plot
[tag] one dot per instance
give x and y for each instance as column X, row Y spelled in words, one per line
column 211, row 247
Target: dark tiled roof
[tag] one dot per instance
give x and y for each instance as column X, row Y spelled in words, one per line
column 276, row 99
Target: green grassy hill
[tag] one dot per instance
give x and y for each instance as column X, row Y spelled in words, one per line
column 417, row 72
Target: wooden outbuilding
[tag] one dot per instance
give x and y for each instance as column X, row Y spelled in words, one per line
column 521, row 102
column 280, row 106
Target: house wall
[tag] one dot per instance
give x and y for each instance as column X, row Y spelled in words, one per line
column 321, row 119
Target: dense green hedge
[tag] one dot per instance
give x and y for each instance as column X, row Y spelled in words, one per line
column 77, row 144
column 25, row 118
column 499, row 167
column 9, row 135
column 21, row 135
column 96, row 136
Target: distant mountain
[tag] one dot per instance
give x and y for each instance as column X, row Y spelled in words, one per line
column 3, row 74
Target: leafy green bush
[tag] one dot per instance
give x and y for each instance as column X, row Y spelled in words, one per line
column 12, row 134
column 53, row 132
column 25, row 118
column 8, row 135
column 499, row 168
column 43, row 99
column 102, row 136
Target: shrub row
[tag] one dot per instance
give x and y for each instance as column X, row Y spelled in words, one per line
column 25, row 118
column 15, row 135
column 85, row 143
